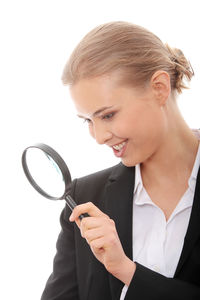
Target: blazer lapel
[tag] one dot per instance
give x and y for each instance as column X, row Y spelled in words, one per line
column 119, row 205
column 193, row 231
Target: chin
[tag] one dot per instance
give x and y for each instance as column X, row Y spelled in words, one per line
column 139, row 158
column 129, row 163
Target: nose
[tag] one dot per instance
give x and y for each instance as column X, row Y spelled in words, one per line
column 100, row 133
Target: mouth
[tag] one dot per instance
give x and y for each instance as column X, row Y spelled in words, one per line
column 119, row 149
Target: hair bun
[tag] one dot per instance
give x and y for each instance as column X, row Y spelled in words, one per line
column 182, row 67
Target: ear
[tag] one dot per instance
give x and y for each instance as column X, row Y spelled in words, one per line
column 161, row 86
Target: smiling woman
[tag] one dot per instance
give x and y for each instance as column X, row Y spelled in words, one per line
column 130, row 120
column 143, row 230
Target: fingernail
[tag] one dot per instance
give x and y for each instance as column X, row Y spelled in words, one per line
column 71, row 218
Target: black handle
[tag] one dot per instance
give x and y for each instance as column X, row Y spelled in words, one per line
column 72, row 204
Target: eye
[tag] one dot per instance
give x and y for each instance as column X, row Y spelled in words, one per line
column 108, row 116
column 87, row 121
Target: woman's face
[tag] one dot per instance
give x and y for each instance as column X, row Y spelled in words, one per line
column 129, row 121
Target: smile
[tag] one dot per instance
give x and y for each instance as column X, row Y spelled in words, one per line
column 119, row 149
column 119, row 146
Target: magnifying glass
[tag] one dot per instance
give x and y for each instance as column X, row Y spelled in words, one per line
column 48, row 173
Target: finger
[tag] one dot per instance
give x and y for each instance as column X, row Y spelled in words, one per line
column 94, row 222
column 89, row 208
column 98, row 245
column 92, row 234
column 90, row 222
column 105, row 241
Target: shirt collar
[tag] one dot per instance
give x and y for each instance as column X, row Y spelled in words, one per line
column 140, row 195
column 138, row 180
column 193, row 177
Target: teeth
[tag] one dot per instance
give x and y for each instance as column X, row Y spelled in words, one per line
column 120, row 146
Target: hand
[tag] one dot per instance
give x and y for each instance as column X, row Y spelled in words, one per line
column 101, row 234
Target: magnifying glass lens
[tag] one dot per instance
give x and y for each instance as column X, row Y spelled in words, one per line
column 45, row 172
column 48, row 173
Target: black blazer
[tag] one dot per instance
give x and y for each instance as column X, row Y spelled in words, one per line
column 78, row 275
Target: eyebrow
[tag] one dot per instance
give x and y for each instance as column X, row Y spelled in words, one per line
column 97, row 112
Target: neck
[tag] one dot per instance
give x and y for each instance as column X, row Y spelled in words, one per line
column 175, row 158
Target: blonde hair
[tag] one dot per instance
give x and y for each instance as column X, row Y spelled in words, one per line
column 131, row 49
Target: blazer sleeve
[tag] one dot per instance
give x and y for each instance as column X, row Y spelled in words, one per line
column 147, row 284
column 62, row 283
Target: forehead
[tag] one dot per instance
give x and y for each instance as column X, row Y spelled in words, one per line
column 90, row 86
column 92, row 94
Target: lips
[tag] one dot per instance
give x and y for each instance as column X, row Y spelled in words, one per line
column 120, row 148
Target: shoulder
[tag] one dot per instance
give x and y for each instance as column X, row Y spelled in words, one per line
column 93, row 186
column 98, row 178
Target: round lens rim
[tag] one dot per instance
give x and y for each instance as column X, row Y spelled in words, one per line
column 59, row 161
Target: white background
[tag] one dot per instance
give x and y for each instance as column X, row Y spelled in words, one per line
column 35, row 41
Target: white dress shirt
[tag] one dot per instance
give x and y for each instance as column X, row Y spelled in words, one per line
column 157, row 243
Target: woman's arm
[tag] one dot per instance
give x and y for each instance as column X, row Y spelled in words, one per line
column 100, row 232
column 147, row 284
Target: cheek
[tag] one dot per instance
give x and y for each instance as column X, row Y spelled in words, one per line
column 154, row 130
column 146, row 126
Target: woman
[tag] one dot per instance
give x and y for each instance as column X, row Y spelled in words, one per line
column 142, row 239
